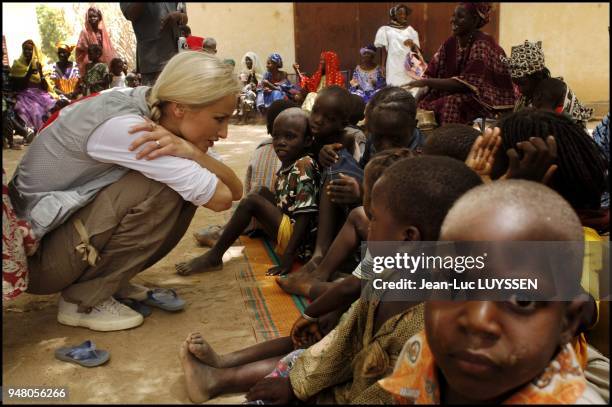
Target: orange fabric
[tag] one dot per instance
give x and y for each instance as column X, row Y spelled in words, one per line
column 414, row 379
column 332, row 73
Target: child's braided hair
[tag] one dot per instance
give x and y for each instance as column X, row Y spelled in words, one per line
column 581, row 176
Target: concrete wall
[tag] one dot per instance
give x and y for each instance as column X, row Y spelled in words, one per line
column 575, row 39
column 240, row 27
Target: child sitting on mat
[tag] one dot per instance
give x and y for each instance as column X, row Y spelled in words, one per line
column 507, row 352
column 287, row 215
column 346, row 364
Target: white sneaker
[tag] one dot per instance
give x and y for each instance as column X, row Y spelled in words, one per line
column 110, row 315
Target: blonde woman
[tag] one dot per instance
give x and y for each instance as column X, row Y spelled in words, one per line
column 113, row 182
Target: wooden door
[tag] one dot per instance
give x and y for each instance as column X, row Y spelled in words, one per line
column 346, row 27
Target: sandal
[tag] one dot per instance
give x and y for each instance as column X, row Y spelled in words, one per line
column 84, row 354
column 137, row 306
column 164, row 298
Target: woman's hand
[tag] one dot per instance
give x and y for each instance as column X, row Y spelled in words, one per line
column 159, row 142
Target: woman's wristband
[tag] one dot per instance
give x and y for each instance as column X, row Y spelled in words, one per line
column 309, row 318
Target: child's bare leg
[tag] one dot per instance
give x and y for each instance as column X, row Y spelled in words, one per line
column 344, row 244
column 257, row 205
column 204, row 352
column 205, row 382
column 328, row 213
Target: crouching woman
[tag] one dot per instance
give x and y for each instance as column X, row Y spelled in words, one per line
column 113, row 182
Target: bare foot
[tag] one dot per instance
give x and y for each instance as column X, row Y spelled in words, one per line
column 296, row 284
column 207, row 237
column 205, row 262
column 199, row 348
column 200, row 378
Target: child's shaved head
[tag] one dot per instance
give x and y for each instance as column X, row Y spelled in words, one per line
column 518, row 207
column 487, row 350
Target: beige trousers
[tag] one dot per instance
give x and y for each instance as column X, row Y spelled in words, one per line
column 128, row 227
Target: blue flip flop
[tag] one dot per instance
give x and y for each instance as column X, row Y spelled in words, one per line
column 164, row 298
column 137, row 306
column 84, row 354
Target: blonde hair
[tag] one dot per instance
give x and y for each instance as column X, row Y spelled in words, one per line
column 194, row 79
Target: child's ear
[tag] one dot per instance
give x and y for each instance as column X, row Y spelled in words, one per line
column 571, row 320
column 412, row 234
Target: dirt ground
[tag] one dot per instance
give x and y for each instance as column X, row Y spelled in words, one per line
column 144, row 367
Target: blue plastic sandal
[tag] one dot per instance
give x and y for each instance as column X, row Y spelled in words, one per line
column 164, row 298
column 84, row 354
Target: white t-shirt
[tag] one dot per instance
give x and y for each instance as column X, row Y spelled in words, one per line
column 109, row 143
column 118, row 81
column 393, row 40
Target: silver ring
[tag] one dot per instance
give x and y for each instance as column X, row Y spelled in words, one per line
column 158, row 143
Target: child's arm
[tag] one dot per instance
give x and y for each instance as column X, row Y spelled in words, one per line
column 339, row 297
column 300, row 229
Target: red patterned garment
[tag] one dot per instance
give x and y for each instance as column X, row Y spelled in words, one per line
column 332, row 73
column 18, row 242
column 481, row 69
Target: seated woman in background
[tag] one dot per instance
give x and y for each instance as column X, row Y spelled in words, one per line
column 327, row 74
column 274, row 84
column 466, row 78
column 250, row 76
column 527, row 68
column 65, row 73
column 34, row 100
column 368, row 77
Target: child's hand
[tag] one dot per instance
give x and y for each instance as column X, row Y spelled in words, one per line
column 537, row 162
column 305, row 333
column 482, row 155
column 160, row 142
column 278, row 270
column 345, row 190
column 328, row 155
column 354, row 83
column 272, row 390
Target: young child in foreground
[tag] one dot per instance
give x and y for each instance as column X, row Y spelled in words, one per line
column 513, row 352
column 345, row 365
column 117, row 76
column 289, row 213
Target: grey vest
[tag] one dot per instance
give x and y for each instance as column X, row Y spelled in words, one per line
column 56, row 176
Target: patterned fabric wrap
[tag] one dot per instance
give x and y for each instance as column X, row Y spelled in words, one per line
column 17, row 243
column 482, row 10
column 297, row 192
column 525, row 59
column 277, row 59
column 332, row 73
column 415, row 379
column 95, row 74
column 480, row 69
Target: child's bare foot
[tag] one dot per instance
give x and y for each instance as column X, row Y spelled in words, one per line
column 296, row 284
column 201, row 379
column 207, row 237
column 205, row 262
column 203, row 351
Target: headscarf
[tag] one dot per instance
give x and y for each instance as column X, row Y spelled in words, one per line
column 20, row 67
column 332, row 73
column 370, row 49
column 393, row 14
column 87, row 37
column 482, row 10
column 525, row 59
column 194, row 43
column 65, row 47
column 257, row 69
column 276, row 58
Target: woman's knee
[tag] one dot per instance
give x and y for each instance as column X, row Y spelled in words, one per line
column 133, row 189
